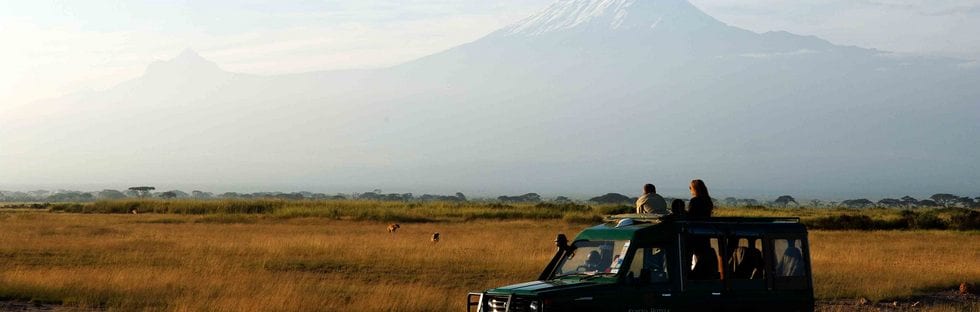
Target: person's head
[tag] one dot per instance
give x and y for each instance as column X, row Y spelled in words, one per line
column 677, row 207
column 698, row 189
column 649, row 188
column 593, row 260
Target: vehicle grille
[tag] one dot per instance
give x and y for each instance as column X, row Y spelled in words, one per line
column 499, row 304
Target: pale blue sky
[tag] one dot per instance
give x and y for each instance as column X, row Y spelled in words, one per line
column 58, row 47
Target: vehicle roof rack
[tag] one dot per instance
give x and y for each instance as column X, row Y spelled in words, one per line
column 652, row 217
column 645, row 217
column 741, row 220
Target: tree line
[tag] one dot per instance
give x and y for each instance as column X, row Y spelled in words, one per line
column 151, row 192
column 936, row 200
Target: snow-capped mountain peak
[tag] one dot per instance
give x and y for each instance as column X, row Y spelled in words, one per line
column 612, row 15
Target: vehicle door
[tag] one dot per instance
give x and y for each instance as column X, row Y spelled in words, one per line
column 648, row 281
column 747, row 288
column 790, row 272
column 702, row 286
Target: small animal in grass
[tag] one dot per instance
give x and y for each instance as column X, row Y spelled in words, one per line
column 133, row 211
column 393, row 227
column 435, row 237
column 967, row 288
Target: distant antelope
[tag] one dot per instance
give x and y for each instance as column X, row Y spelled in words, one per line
column 133, row 211
column 967, row 288
column 435, row 237
column 393, row 227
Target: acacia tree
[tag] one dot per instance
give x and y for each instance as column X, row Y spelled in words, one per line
column 201, row 194
column 526, row 198
column 966, row 201
column 909, row 201
column 857, row 203
column 889, row 202
column 111, row 194
column 785, row 200
column 610, row 198
column 945, row 199
column 730, row 201
column 143, row 191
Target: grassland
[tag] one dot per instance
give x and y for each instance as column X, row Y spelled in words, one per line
column 409, row 211
column 236, row 262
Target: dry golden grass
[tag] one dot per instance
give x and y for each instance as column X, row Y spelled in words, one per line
column 888, row 264
column 243, row 263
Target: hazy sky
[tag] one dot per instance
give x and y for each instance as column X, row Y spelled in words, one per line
column 56, row 47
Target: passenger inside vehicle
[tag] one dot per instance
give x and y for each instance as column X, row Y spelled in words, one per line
column 593, row 262
column 790, row 262
column 746, row 261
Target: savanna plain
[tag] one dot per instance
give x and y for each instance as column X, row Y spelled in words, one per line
column 239, row 256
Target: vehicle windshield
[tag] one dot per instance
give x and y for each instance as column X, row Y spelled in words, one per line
column 594, row 258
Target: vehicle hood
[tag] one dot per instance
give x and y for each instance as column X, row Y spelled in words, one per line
column 541, row 287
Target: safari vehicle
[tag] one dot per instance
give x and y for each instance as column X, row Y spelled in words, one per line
column 651, row 263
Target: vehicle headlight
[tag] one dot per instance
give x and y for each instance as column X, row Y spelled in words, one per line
column 535, row 305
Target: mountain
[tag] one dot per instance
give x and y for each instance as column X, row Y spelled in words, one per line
column 585, row 97
column 187, row 64
column 602, row 16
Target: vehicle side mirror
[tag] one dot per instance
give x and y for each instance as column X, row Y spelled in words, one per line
column 561, row 242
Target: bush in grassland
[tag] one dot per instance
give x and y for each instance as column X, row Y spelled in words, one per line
column 842, row 222
column 965, row 219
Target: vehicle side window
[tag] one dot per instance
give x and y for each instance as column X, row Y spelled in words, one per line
column 702, row 257
column 649, row 266
column 789, row 258
column 745, row 258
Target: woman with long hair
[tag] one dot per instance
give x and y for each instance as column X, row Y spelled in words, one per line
column 700, row 205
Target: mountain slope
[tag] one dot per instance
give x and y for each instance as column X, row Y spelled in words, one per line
column 587, row 96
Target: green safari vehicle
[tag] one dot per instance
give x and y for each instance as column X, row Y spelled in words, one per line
column 650, row 263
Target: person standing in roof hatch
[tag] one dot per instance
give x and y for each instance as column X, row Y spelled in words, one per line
column 700, row 205
column 651, row 202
